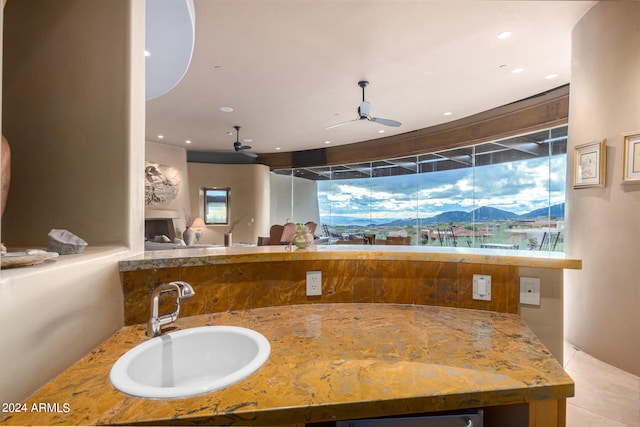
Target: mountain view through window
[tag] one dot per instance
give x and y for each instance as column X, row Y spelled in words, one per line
column 506, row 194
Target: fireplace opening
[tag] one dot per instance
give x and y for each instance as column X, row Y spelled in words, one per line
column 159, row 227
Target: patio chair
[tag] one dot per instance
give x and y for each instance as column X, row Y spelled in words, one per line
column 447, row 237
column 549, row 241
column 312, row 227
column 288, row 231
column 275, row 234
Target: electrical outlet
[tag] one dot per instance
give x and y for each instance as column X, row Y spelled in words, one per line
column 530, row 290
column 482, row 287
column 314, row 283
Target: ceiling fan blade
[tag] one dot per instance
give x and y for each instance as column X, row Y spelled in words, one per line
column 249, row 154
column 386, row 122
column 341, row 124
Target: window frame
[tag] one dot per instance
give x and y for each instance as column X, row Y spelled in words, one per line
column 545, row 144
column 205, row 206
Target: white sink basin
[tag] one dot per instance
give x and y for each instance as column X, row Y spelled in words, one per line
column 190, row 362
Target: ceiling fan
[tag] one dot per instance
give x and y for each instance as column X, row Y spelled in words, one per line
column 363, row 112
column 241, row 148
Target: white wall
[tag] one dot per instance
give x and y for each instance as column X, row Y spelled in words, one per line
column 603, row 224
column 73, row 109
column 295, row 199
column 248, row 199
column 281, row 191
column 54, row 314
column 546, row 320
column 65, row 114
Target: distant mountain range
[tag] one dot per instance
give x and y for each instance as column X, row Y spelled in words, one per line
column 556, row 211
column 483, row 213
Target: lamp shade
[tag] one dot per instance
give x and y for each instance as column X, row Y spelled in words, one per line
column 198, row 223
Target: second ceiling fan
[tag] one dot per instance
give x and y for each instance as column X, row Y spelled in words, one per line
column 238, row 147
column 364, row 111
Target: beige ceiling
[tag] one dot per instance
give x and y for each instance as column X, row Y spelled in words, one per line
column 289, row 69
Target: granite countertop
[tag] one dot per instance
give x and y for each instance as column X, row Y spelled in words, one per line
column 327, row 362
column 245, row 254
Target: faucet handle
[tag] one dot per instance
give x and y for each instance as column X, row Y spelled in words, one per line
column 185, row 289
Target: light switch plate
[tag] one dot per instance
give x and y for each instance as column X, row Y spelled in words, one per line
column 482, row 287
column 530, row 290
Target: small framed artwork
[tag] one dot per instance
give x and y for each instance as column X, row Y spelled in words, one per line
column 631, row 159
column 589, row 164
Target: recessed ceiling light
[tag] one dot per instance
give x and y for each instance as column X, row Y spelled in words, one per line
column 226, row 109
column 229, row 133
column 188, row 141
column 447, row 113
column 327, row 142
column 551, row 76
column 278, row 148
column 517, row 70
column 381, row 131
column 247, row 140
column 147, row 53
column 160, row 136
column 504, row 35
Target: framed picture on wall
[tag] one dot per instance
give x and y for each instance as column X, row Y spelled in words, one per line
column 589, row 164
column 631, row 159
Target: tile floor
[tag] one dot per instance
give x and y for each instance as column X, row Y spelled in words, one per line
column 605, row 396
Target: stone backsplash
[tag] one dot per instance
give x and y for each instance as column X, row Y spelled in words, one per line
column 240, row 286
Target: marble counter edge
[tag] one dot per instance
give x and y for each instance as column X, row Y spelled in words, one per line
column 321, row 413
column 240, row 255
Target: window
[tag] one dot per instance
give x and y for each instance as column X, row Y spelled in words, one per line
column 502, row 194
column 216, row 206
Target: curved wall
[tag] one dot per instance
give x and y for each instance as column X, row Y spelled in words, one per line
column 602, row 309
column 248, row 199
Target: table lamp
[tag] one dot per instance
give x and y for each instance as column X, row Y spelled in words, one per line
column 198, row 225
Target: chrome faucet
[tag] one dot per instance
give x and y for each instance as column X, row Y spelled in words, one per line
column 183, row 289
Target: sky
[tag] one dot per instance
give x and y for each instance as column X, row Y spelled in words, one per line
column 519, row 187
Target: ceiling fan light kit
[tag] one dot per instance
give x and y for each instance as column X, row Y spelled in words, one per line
column 364, row 112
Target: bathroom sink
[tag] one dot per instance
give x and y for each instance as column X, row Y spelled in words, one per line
column 190, row 362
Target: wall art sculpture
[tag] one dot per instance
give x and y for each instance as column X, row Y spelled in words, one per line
column 161, row 184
